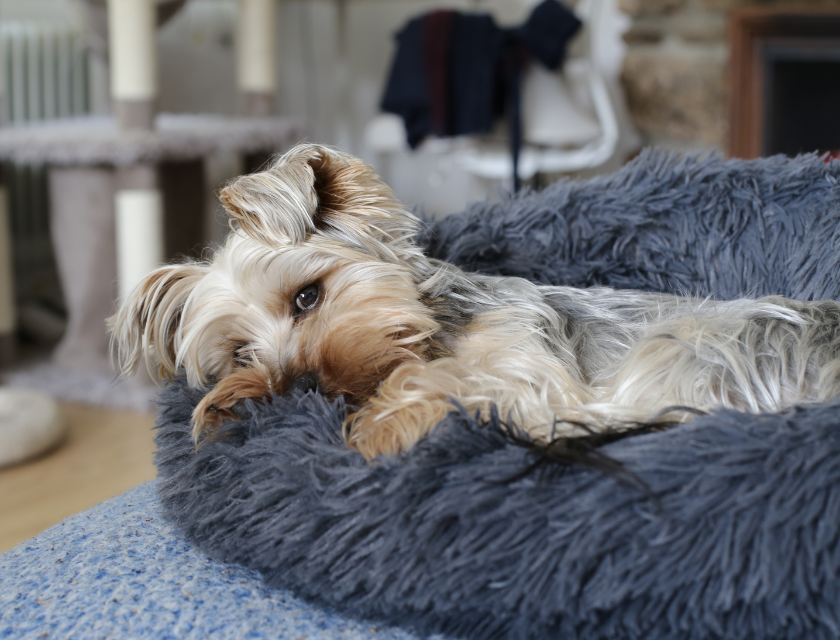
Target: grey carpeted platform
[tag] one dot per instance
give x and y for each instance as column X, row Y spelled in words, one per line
column 97, row 140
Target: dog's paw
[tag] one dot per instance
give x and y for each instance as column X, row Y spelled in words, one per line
column 381, row 430
column 373, row 435
column 217, row 406
column 209, row 415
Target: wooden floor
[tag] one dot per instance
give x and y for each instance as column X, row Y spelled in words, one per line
column 105, row 453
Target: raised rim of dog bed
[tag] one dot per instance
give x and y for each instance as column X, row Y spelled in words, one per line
column 466, row 535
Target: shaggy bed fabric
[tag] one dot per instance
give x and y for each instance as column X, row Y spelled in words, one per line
column 724, row 528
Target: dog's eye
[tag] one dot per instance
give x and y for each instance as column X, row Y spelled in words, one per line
column 307, row 298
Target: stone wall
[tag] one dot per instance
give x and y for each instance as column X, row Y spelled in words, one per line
column 675, row 72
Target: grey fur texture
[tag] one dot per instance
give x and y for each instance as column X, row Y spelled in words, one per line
column 470, row 534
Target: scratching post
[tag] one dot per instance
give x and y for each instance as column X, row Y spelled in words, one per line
column 138, row 203
column 139, row 225
column 82, row 221
column 256, row 67
column 131, row 28
column 256, row 54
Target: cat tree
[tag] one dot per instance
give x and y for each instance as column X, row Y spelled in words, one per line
column 126, row 192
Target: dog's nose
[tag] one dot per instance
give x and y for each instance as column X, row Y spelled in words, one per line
column 303, row 383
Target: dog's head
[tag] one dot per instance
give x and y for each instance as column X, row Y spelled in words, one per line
column 316, row 282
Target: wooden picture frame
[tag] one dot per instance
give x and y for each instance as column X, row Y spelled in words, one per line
column 750, row 32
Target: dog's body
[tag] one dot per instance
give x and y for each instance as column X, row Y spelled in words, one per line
column 322, row 285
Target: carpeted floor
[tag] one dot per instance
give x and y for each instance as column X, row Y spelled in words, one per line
column 122, row 571
column 104, row 453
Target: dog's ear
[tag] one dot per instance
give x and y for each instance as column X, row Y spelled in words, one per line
column 145, row 326
column 314, row 189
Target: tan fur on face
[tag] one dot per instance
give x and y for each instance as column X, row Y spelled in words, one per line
column 359, row 337
column 146, row 325
column 364, row 330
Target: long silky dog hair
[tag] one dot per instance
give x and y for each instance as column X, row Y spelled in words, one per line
column 321, row 285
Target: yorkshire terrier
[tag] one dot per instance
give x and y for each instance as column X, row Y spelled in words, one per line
column 321, row 285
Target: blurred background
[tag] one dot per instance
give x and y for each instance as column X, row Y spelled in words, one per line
column 113, row 150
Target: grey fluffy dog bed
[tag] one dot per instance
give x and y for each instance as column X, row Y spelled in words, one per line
column 728, row 527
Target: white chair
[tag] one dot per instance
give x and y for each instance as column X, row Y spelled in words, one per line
column 540, row 100
column 559, row 134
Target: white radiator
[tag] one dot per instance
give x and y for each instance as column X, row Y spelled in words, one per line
column 46, row 76
column 45, row 71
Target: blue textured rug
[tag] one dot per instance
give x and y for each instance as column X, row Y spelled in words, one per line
column 466, row 535
column 121, row 571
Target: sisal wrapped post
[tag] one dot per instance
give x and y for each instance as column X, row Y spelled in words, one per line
column 256, row 57
column 138, row 201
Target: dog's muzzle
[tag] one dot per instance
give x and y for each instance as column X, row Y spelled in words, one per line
column 307, row 381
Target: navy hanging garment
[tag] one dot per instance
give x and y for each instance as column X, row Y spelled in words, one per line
column 455, row 73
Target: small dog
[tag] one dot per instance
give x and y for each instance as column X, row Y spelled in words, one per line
column 322, row 286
